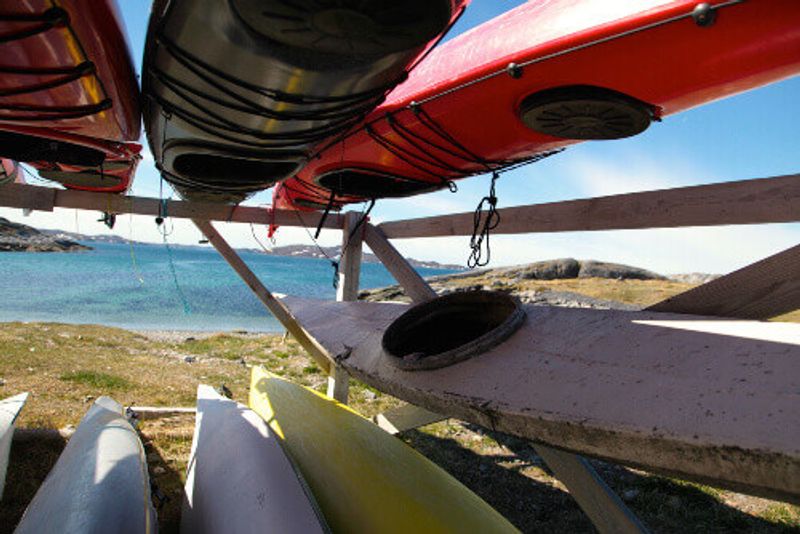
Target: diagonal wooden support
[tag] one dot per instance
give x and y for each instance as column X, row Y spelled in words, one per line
column 763, row 290
column 406, row 417
column 408, row 278
column 316, row 351
column 605, row 509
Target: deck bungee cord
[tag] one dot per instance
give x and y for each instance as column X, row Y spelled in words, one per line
column 50, row 19
column 428, row 152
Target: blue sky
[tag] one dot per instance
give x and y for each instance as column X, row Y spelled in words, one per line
column 752, row 135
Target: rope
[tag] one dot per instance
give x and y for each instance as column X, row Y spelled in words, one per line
column 162, row 210
column 483, row 226
column 137, row 273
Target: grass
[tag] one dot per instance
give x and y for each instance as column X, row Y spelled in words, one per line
column 95, row 380
column 66, row 366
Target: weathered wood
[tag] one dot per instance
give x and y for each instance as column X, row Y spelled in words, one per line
column 47, row 198
column 281, row 313
column 713, row 400
column 765, row 289
column 350, row 261
column 338, row 384
column 765, row 200
column 606, row 510
column 408, row 278
column 406, row 417
column 155, row 412
column 348, row 280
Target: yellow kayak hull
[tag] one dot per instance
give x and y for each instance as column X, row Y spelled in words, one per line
column 363, row 478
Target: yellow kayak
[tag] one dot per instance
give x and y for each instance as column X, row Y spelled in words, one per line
column 364, row 479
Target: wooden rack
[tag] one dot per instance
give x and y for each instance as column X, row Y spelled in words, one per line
column 644, row 347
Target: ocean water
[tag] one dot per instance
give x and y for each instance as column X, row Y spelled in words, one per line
column 111, row 286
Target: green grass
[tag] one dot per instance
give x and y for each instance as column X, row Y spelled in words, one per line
column 100, row 381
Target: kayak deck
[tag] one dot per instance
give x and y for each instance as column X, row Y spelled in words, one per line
column 708, row 399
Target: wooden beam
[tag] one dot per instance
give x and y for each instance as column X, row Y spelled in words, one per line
column 705, row 399
column 350, row 261
column 408, row 278
column 765, row 289
column 47, row 198
column 606, row 510
column 766, row 200
column 406, row 417
column 316, row 351
column 156, row 412
column 349, row 276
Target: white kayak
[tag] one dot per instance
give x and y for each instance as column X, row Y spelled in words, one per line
column 100, row 482
column 9, row 410
column 239, row 479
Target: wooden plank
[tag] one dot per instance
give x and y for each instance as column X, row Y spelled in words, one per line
column 281, row 313
column 408, row 278
column 349, row 276
column 350, row 261
column 338, row 384
column 46, row 198
column 155, row 412
column 765, row 289
column 406, row 417
column 606, row 510
column 713, row 400
column 765, row 200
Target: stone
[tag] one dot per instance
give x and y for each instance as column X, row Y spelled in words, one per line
column 551, row 270
column 600, row 269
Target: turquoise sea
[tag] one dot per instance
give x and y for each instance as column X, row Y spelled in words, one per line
column 111, row 286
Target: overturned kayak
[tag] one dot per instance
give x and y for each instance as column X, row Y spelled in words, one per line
column 239, row 479
column 364, row 479
column 10, row 172
column 238, row 93
column 9, row 410
column 542, row 77
column 100, row 482
column 69, row 100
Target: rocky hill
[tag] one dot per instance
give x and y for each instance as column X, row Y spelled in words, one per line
column 15, row 237
column 561, row 282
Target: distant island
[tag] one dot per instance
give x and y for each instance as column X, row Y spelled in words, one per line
column 311, row 251
column 16, row 237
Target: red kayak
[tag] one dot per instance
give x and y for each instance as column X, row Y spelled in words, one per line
column 10, row 172
column 544, row 76
column 69, row 101
column 237, row 93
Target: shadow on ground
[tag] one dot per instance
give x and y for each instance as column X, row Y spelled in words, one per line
column 30, row 460
column 519, row 486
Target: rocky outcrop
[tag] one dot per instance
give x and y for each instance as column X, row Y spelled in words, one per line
column 517, row 278
column 15, row 237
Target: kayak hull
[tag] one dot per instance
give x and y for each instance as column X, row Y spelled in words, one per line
column 100, row 482
column 9, row 411
column 303, row 73
column 67, row 76
column 252, row 489
column 475, row 98
column 369, row 481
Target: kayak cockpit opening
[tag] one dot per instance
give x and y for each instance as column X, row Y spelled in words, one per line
column 451, row 328
column 366, row 183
